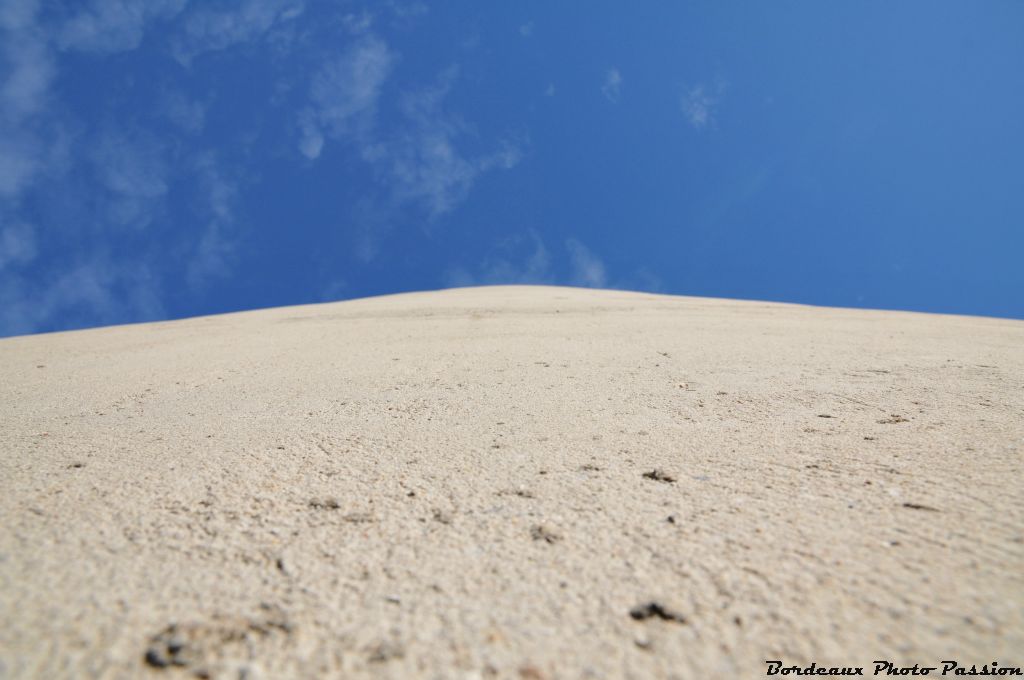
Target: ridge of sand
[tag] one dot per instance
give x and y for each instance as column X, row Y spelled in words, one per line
column 526, row 482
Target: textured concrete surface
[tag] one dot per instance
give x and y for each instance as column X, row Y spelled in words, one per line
column 513, row 482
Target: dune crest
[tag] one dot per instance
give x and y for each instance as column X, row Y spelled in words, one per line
column 515, row 481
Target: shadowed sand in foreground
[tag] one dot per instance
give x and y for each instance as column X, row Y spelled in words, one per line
column 513, row 482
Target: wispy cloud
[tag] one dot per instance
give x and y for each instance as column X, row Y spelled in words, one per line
column 17, row 245
column 424, row 163
column 185, row 113
column 29, row 68
column 698, row 105
column 213, row 252
column 211, row 28
column 18, row 13
column 119, row 169
column 526, row 30
column 20, row 160
column 132, row 167
column 519, row 259
column 418, row 162
column 404, row 14
column 343, row 95
column 118, row 175
column 90, row 290
column 587, row 268
column 358, row 24
column 612, row 86
column 112, row 25
column 211, row 257
column 525, row 259
column 70, row 285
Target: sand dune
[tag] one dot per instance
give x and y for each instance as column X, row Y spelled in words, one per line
column 512, row 482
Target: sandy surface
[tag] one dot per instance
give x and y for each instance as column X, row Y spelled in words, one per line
column 459, row 485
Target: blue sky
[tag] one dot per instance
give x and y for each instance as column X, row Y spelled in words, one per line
column 169, row 158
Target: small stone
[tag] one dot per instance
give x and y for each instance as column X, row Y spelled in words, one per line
column 250, row 671
column 919, row 506
column 385, row 651
column 659, row 476
column 649, row 610
column 167, row 650
column 541, row 533
column 155, row 658
column 530, row 672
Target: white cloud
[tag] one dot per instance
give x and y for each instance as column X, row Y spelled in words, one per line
column 221, row 191
column 406, row 13
column 426, row 167
column 642, row 279
column 89, row 291
column 335, row 289
column 358, row 24
column 526, row 30
column 186, row 114
column 423, row 164
column 18, row 14
column 519, row 259
column 122, row 173
column 209, row 29
column 311, row 144
column 30, row 150
column 549, row 91
column 28, row 67
column 212, row 255
column 587, row 268
column 370, row 220
column 525, row 259
column 20, row 161
column 698, row 105
column 612, row 85
column 30, row 70
column 17, row 245
column 420, row 162
column 113, row 25
column 292, row 12
column 131, row 165
column 132, row 168
column 343, row 95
